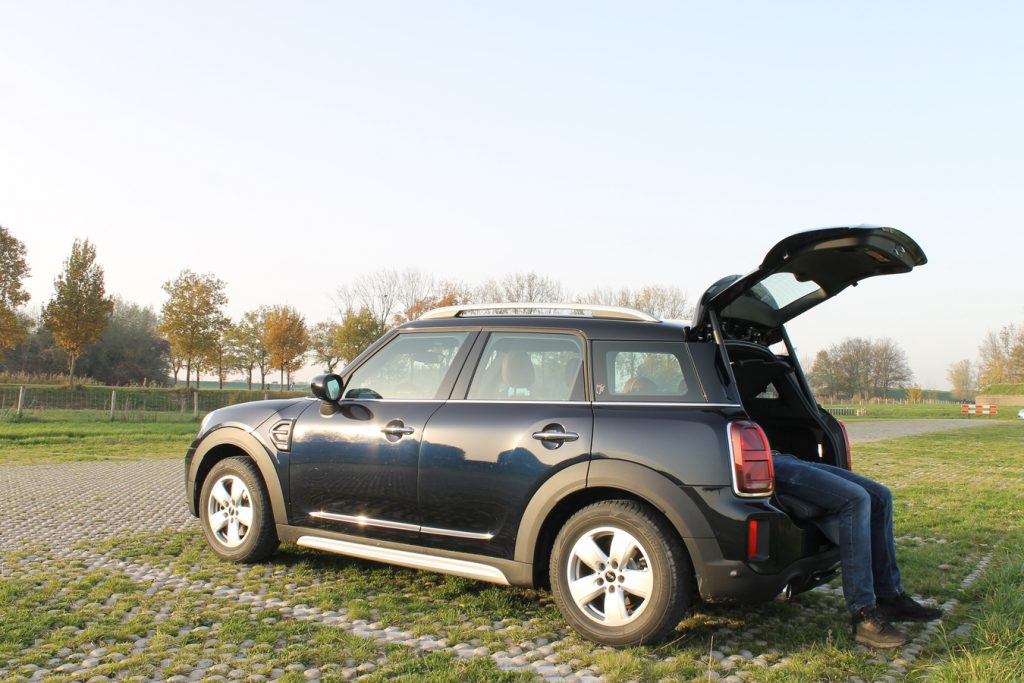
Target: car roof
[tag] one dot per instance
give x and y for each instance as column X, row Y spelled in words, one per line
column 593, row 328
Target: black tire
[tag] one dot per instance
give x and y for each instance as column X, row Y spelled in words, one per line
column 617, row 615
column 242, row 497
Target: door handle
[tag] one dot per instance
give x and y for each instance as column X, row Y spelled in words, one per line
column 397, row 430
column 555, row 436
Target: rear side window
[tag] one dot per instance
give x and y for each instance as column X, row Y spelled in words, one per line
column 529, row 367
column 644, row 371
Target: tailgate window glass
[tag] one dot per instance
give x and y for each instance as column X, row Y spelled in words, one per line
column 779, row 290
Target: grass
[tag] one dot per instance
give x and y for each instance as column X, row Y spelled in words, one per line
column 957, row 501
column 70, row 435
column 916, row 411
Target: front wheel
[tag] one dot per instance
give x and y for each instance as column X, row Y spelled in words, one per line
column 620, row 575
column 234, row 509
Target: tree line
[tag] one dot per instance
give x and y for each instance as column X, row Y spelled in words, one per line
column 85, row 332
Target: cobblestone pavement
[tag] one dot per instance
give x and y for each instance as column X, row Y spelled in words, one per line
column 877, row 430
column 49, row 510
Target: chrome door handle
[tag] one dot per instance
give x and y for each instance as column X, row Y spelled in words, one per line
column 556, row 436
column 397, row 430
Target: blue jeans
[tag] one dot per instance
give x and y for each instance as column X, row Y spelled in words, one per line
column 867, row 548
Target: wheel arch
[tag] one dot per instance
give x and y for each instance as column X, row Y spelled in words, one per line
column 580, row 485
column 229, row 441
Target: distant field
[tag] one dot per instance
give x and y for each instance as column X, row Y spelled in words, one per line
column 916, row 411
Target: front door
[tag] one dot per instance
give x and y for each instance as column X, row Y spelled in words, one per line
column 354, row 465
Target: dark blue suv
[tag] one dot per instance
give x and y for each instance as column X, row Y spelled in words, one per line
column 620, row 460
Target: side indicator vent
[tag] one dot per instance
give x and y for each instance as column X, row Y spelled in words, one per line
column 281, row 435
column 751, row 459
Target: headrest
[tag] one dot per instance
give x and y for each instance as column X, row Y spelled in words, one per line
column 517, row 370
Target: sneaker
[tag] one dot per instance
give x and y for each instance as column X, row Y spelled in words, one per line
column 870, row 628
column 904, row 608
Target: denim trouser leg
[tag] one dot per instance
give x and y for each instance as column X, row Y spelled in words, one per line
column 884, row 569
column 851, row 503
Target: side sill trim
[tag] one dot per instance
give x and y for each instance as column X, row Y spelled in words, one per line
column 405, row 558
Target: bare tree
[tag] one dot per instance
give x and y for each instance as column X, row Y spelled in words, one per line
column 963, row 378
column 521, row 288
column 860, row 368
column 661, row 301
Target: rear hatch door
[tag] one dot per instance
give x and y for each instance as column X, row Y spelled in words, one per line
column 804, row 270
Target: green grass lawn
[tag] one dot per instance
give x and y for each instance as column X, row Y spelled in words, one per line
column 75, row 435
column 958, row 500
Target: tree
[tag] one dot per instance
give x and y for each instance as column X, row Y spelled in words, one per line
column 80, row 307
column 248, row 340
column 13, row 270
column 129, row 350
column 665, row 302
column 223, row 357
column 287, row 340
column 860, row 368
column 193, row 318
column 1001, row 357
column 961, row 375
column 521, row 288
column 358, row 330
column 323, row 340
column 448, row 294
column 385, row 292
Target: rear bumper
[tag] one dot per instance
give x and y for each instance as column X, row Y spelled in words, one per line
column 720, row 580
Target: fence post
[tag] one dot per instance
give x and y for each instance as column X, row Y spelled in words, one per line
column 21, row 398
column 113, row 403
column 195, row 404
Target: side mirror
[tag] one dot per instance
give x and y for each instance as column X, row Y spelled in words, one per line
column 327, row 387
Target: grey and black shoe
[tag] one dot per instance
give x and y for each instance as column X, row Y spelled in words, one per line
column 871, row 628
column 904, row 608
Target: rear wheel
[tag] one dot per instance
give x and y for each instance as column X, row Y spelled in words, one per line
column 620, row 575
column 234, row 509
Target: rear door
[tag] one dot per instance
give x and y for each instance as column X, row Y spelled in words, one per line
column 517, row 416
column 804, row 270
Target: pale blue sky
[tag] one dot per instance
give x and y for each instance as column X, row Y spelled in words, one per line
column 290, row 147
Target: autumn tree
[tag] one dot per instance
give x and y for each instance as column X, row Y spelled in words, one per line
column 193, row 318
column 1001, row 356
column 287, row 340
column 448, row 294
column 357, row 331
column 323, row 339
column 80, row 306
column 247, row 337
column 962, row 376
column 13, row 270
column 223, row 357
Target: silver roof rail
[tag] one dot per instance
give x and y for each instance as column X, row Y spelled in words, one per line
column 584, row 310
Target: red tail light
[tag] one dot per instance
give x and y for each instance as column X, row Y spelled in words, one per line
column 751, row 459
column 849, row 450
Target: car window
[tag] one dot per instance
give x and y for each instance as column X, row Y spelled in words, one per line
column 410, row 366
column 529, row 367
column 644, row 371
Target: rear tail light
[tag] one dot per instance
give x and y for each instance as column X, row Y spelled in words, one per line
column 849, row 450
column 751, row 459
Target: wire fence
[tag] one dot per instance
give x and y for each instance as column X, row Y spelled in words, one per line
column 126, row 403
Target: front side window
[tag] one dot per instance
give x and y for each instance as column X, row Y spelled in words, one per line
column 411, row 366
column 529, row 367
column 644, row 371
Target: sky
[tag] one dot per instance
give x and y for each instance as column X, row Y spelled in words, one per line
column 290, row 148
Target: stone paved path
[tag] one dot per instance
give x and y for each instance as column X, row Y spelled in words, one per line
column 876, row 430
column 54, row 508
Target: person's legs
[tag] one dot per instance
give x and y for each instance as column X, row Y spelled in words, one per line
column 852, row 506
column 884, row 570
